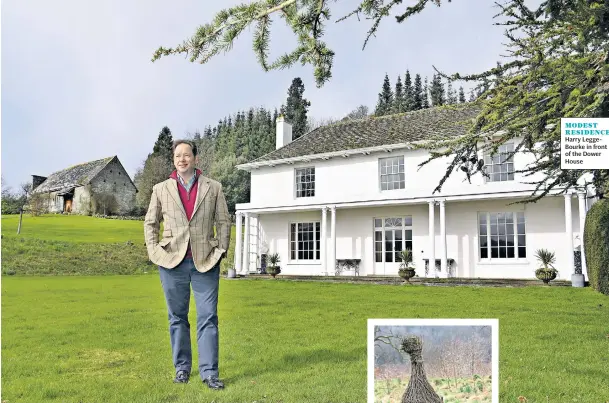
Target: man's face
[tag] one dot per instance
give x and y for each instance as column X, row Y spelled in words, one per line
column 183, row 159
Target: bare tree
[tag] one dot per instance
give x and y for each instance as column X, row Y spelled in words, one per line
column 358, row 113
column 314, row 123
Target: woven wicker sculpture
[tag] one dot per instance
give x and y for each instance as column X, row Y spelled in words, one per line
column 419, row 390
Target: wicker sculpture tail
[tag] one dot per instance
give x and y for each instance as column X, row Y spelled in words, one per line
column 419, row 390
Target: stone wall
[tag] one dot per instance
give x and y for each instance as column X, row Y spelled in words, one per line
column 113, row 181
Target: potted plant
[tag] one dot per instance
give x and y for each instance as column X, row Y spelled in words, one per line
column 406, row 270
column 547, row 272
column 273, row 265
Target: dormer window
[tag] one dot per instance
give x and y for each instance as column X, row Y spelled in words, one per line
column 500, row 166
column 305, row 182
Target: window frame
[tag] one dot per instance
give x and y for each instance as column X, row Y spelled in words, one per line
column 515, row 216
column 296, row 176
column 401, row 164
column 383, row 241
column 487, row 157
column 316, row 243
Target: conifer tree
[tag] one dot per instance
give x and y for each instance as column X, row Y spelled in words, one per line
column 437, row 91
column 417, row 93
column 163, row 145
column 409, row 92
column 426, row 94
column 399, row 103
column 461, row 95
column 296, row 108
column 385, row 99
column 451, row 95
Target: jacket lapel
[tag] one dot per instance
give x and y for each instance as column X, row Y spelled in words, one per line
column 172, row 187
column 203, row 187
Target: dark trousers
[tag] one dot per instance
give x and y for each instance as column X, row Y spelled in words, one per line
column 176, row 284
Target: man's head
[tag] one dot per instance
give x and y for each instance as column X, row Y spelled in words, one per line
column 185, row 157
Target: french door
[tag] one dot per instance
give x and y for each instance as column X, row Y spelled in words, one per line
column 391, row 236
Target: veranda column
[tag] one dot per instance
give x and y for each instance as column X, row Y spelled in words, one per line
column 582, row 222
column 432, row 240
column 322, row 241
column 246, row 245
column 238, row 243
column 569, row 233
column 332, row 264
column 443, row 263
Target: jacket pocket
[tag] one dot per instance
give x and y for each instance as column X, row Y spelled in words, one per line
column 214, row 242
column 164, row 242
column 166, row 233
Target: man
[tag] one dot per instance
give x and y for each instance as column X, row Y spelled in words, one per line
column 189, row 204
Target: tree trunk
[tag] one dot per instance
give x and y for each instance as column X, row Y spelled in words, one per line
column 419, row 390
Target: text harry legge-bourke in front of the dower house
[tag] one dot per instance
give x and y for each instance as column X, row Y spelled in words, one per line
column 584, row 143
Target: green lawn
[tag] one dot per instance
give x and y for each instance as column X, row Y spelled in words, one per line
column 89, row 339
column 105, row 339
column 73, row 228
column 71, row 245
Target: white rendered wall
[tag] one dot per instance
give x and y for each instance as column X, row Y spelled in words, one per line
column 545, row 228
column 356, row 178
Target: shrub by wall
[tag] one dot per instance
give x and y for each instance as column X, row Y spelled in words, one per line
column 596, row 245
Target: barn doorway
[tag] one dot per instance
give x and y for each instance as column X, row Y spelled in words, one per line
column 67, row 203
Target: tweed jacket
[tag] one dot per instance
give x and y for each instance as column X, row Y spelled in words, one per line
column 210, row 208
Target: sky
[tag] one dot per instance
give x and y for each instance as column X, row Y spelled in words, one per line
column 78, row 83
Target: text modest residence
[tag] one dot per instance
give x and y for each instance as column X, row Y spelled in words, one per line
column 102, row 186
column 345, row 198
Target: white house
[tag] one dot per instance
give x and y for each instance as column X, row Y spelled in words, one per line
column 344, row 198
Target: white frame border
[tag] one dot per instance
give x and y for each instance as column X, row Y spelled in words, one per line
column 493, row 323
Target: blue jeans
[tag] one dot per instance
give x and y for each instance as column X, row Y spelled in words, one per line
column 176, row 286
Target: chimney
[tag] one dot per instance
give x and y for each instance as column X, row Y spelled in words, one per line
column 37, row 180
column 283, row 133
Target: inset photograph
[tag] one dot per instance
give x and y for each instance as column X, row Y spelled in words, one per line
column 433, row 360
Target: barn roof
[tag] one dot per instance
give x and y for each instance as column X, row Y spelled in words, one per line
column 74, row 176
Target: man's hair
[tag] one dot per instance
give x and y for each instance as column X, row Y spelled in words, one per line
column 191, row 143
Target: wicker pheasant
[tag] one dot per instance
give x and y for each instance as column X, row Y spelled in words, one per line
column 419, row 390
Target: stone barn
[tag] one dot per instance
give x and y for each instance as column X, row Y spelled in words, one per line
column 96, row 187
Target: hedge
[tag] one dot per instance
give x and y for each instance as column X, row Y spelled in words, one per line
column 596, row 245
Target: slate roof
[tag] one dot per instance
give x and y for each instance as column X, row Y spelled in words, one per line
column 74, row 176
column 424, row 124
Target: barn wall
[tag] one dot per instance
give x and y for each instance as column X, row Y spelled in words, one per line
column 114, row 180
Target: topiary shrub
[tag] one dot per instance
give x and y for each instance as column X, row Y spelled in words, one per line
column 596, row 245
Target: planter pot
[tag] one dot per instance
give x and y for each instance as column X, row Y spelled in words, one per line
column 232, row 273
column 577, row 280
column 273, row 271
column 406, row 274
column 545, row 275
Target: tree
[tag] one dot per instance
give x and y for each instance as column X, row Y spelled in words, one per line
column 399, row 103
column 296, row 108
column 461, row 95
column 384, row 104
column 558, row 67
column 163, row 145
column 417, row 93
column 358, row 113
column 409, row 92
column 425, row 103
column 437, row 91
column 451, row 95
column 156, row 169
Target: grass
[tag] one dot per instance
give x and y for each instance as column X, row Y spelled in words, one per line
column 105, row 338
column 89, row 339
column 74, row 245
column 463, row 390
